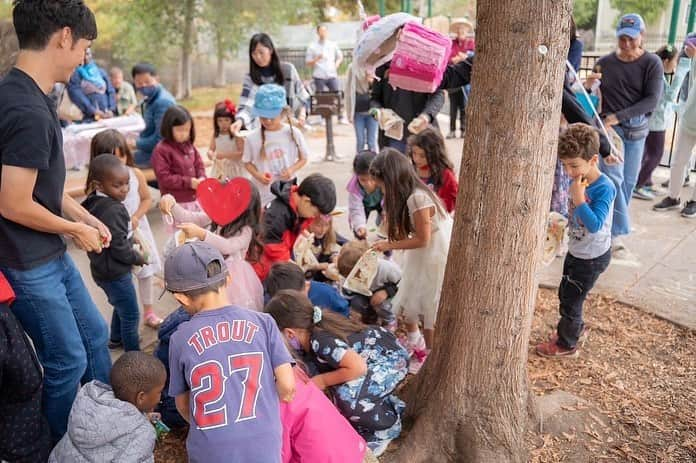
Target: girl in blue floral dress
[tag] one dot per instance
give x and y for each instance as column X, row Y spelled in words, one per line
column 360, row 365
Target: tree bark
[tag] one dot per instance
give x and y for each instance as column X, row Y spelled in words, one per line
column 471, row 400
column 187, row 47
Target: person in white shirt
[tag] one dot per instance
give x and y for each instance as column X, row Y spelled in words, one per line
column 324, row 57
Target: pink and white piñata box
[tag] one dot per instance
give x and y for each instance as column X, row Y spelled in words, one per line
column 420, row 59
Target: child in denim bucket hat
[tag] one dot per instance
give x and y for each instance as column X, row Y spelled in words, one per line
column 276, row 150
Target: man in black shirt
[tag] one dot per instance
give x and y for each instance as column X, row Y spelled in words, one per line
column 52, row 304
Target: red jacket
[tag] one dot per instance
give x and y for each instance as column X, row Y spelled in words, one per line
column 448, row 190
column 175, row 164
column 281, row 227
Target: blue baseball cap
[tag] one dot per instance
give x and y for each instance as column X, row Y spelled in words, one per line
column 269, row 101
column 631, row 25
column 186, row 268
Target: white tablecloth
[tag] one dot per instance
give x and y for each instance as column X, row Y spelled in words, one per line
column 77, row 137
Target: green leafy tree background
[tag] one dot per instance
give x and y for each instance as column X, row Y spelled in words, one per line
column 650, row 10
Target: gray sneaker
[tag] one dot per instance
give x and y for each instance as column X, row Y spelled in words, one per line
column 667, row 204
column 643, row 193
column 689, row 210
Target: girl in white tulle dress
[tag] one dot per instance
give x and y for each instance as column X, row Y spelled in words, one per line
column 418, row 224
column 235, row 241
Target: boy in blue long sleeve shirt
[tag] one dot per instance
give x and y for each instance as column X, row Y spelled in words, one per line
column 589, row 228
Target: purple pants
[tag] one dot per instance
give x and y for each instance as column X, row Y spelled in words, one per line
column 652, row 155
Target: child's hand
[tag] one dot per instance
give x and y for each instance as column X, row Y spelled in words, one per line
column 577, row 190
column 236, row 126
column 286, row 174
column 319, row 382
column 361, row 233
column 191, row 230
column 211, row 154
column 166, row 204
column 135, row 222
column 382, row 246
column 195, row 182
column 265, row 178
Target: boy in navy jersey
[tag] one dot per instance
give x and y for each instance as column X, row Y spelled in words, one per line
column 229, row 365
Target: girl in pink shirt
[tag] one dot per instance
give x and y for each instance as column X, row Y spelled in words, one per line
column 314, row 430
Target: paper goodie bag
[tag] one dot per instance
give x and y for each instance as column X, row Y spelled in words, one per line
column 362, row 275
column 302, row 250
column 555, row 230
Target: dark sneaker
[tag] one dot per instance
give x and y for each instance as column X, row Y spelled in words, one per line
column 689, row 210
column 113, row 345
column 667, row 204
column 552, row 350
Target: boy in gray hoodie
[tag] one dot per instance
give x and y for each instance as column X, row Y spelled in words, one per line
column 110, row 423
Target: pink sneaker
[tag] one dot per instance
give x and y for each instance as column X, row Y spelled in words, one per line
column 417, row 360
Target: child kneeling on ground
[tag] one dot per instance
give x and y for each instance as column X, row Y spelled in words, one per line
column 361, row 365
column 289, row 275
column 384, row 285
column 110, row 423
column 589, row 228
column 228, row 365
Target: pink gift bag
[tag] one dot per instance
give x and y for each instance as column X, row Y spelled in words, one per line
column 420, row 59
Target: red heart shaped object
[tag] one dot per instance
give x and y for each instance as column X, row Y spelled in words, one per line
column 224, row 203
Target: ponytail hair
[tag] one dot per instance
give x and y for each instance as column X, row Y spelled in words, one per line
column 293, row 309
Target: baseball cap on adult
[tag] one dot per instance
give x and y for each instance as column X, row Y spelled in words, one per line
column 191, row 267
column 631, row 25
column 269, row 101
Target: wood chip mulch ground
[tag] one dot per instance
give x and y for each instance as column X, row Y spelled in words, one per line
column 635, row 381
column 637, row 372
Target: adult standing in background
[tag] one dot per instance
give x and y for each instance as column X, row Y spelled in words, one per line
column 406, row 104
column 265, row 67
column 631, row 88
column 324, row 57
column 52, row 302
column 463, row 45
column 575, row 48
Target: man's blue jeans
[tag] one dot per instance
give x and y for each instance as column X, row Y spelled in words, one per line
column 67, row 330
column 124, row 320
column 625, row 177
column 365, row 132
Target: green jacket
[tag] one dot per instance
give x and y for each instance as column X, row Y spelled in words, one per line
column 663, row 116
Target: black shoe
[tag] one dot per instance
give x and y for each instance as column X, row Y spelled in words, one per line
column 667, row 204
column 689, row 210
column 113, row 345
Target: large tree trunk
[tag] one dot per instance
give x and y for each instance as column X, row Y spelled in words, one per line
column 471, row 400
column 187, row 48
